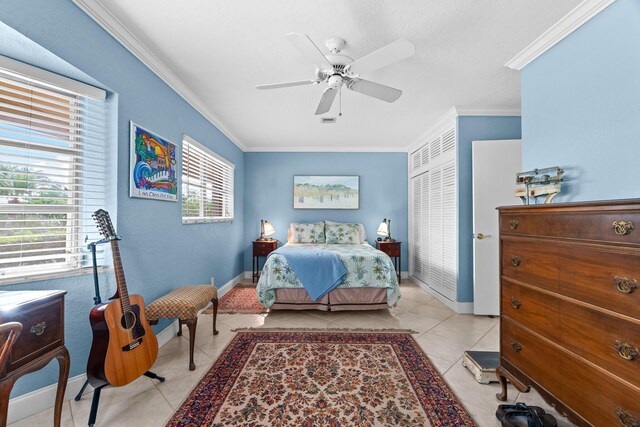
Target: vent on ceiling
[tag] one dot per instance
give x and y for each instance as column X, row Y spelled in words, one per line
column 328, row 119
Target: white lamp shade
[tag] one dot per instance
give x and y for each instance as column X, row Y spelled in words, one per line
column 383, row 230
column 268, row 229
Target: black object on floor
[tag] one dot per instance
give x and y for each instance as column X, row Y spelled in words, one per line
column 521, row 415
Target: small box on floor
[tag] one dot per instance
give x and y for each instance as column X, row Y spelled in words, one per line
column 482, row 365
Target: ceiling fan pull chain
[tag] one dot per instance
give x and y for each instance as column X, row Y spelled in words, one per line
column 340, row 112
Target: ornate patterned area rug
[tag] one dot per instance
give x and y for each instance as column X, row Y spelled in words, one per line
column 322, row 378
column 242, row 298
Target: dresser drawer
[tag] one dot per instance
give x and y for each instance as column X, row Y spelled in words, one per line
column 597, row 274
column 597, row 396
column 597, row 226
column 603, row 339
column 391, row 249
column 533, row 309
column 533, row 356
column 42, row 331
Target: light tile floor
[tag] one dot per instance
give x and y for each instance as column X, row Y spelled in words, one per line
column 443, row 335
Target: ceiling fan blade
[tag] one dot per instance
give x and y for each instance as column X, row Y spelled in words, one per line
column 287, row 84
column 326, row 101
column 376, row 90
column 387, row 55
column 309, row 50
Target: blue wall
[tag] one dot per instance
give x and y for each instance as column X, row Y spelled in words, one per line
column 581, row 107
column 158, row 252
column 474, row 129
column 383, row 192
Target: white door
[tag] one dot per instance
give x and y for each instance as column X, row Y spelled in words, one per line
column 495, row 165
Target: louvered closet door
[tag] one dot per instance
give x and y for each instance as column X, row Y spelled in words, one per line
column 426, row 199
column 416, row 227
column 449, row 255
column 435, row 230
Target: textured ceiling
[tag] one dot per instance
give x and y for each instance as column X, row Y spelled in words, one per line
column 221, row 49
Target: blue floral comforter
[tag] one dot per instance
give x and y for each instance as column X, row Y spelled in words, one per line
column 366, row 267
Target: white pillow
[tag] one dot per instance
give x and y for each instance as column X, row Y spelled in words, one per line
column 363, row 234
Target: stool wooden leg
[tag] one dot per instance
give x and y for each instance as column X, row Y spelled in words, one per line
column 191, row 324
column 215, row 314
column 180, row 323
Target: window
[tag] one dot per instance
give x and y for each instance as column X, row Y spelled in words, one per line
column 207, row 184
column 52, row 170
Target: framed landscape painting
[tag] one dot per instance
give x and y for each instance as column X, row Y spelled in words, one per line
column 326, row 192
column 153, row 166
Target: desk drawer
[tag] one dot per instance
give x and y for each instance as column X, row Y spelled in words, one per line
column 599, row 275
column 617, row 227
column 533, row 309
column 42, row 331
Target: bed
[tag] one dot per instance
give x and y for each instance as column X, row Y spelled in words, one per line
column 370, row 281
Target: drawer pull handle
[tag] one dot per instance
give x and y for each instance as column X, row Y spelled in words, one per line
column 516, row 260
column 626, row 419
column 39, row 328
column 622, row 228
column 515, row 345
column 515, row 303
column 626, row 285
column 627, row 351
column 513, row 224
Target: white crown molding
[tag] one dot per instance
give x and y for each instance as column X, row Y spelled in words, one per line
column 347, row 149
column 118, row 31
column 462, row 111
column 561, row 29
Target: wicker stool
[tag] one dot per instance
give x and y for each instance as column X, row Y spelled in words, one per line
column 185, row 303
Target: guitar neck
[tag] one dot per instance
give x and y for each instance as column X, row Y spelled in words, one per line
column 120, row 281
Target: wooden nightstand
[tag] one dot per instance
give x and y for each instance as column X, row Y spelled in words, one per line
column 394, row 250
column 261, row 248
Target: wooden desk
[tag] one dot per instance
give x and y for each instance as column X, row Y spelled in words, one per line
column 261, row 248
column 42, row 316
column 394, row 250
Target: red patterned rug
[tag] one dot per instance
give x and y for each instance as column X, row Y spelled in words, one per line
column 322, row 378
column 242, row 298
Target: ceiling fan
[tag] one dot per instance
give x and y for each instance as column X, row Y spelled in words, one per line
column 336, row 69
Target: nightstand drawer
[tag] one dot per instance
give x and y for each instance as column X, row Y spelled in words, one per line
column 264, row 248
column 391, row 249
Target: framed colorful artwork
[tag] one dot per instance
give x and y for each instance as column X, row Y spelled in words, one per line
column 152, row 172
column 326, row 192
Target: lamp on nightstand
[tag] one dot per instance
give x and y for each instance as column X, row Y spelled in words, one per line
column 385, row 230
column 266, row 229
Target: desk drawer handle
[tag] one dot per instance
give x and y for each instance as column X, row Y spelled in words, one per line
column 39, row 328
column 626, row 419
column 626, row 285
column 515, row 345
column 516, row 260
column 515, row 303
column 627, row 351
column 622, row 228
column 513, row 224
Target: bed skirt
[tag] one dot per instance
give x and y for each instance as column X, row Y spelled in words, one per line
column 340, row 299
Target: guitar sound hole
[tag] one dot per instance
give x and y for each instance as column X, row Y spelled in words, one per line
column 128, row 319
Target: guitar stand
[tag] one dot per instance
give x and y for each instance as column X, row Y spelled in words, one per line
column 96, row 395
column 97, row 300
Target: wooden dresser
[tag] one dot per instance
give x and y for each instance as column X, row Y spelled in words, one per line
column 570, row 308
column 41, row 314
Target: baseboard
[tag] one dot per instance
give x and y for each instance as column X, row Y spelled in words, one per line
column 404, row 274
column 39, row 400
column 458, row 307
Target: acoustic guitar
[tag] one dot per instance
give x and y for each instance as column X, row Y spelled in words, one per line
column 124, row 346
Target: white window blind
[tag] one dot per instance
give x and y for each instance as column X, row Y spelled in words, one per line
column 52, row 169
column 207, row 184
